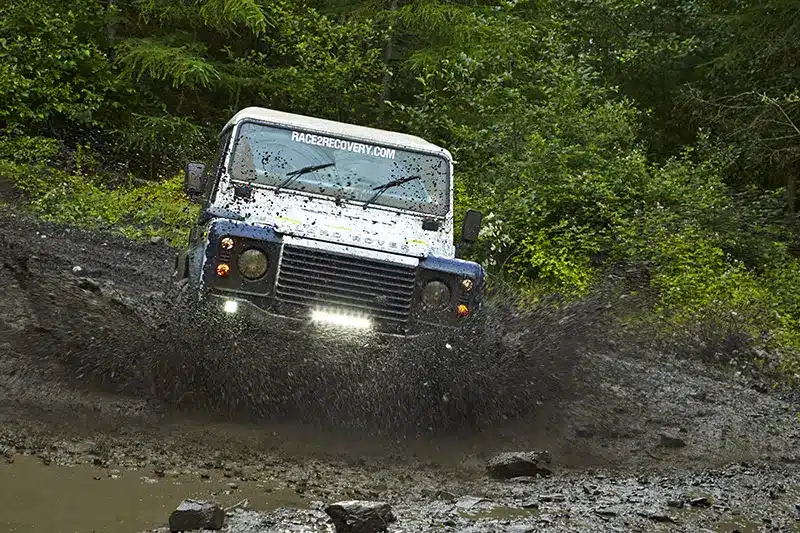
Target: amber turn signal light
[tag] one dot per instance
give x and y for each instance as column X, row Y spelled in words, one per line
column 463, row 311
column 223, row 270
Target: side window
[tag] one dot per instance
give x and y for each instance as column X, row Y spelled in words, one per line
column 216, row 168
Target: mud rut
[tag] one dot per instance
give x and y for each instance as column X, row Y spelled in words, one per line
column 97, row 351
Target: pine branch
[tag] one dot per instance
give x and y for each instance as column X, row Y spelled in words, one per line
column 225, row 14
column 179, row 65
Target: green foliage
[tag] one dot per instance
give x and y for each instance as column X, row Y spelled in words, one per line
column 226, row 14
column 53, row 73
column 181, row 66
column 138, row 211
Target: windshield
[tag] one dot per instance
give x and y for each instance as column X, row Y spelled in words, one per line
column 340, row 168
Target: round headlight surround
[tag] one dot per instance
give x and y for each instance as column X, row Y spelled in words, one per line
column 253, row 264
column 436, row 295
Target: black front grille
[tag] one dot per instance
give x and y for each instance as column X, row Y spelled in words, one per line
column 315, row 278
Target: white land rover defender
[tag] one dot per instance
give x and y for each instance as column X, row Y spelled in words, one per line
column 323, row 221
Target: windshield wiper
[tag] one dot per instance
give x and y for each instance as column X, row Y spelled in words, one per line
column 388, row 185
column 294, row 174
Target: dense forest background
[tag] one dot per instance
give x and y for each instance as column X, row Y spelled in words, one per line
column 662, row 136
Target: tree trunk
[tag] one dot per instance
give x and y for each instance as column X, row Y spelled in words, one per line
column 111, row 30
column 791, row 196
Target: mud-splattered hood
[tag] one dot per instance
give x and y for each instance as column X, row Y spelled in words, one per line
column 321, row 218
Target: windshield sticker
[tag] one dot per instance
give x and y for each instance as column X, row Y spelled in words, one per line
column 340, row 144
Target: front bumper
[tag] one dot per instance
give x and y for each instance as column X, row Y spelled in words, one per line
column 301, row 320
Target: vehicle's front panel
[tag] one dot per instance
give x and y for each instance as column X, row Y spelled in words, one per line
column 309, row 280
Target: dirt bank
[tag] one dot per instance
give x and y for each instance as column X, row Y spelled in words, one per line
column 94, row 371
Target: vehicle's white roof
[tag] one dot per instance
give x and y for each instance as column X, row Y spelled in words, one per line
column 333, row 128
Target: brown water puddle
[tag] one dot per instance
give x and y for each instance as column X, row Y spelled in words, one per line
column 83, row 499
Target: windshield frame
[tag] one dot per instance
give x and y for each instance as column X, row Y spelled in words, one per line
column 447, row 206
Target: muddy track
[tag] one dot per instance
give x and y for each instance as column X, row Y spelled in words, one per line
column 93, row 354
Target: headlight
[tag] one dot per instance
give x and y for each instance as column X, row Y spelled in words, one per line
column 253, row 264
column 436, row 295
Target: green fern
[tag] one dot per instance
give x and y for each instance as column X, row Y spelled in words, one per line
column 178, row 65
column 224, row 14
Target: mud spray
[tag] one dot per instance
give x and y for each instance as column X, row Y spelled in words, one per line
column 511, row 362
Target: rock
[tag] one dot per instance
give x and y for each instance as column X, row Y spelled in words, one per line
column 358, row 516
column 434, row 494
column 551, row 498
column 671, row 439
column 77, row 269
column 702, row 501
column 156, row 240
column 519, row 464
column 607, row 513
column 657, row 516
column 196, row 514
column 88, row 284
column 661, row 518
column 677, row 504
column 466, row 503
column 524, row 480
column 521, row 529
column 445, row 496
column 530, row 504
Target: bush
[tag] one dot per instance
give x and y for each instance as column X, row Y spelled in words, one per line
column 136, row 210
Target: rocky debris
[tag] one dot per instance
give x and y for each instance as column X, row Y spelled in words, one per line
column 510, row 465
column 671, row 439
column 77, row 269
column 196, row 514
column 156, row 240
column 359, row 516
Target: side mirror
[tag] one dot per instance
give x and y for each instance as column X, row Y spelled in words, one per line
column 194, row 181
column 471, row 226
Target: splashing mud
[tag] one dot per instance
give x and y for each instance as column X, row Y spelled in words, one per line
column 505, row 365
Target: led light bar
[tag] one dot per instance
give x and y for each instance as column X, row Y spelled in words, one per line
column 341, row 319
column 230, row 306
